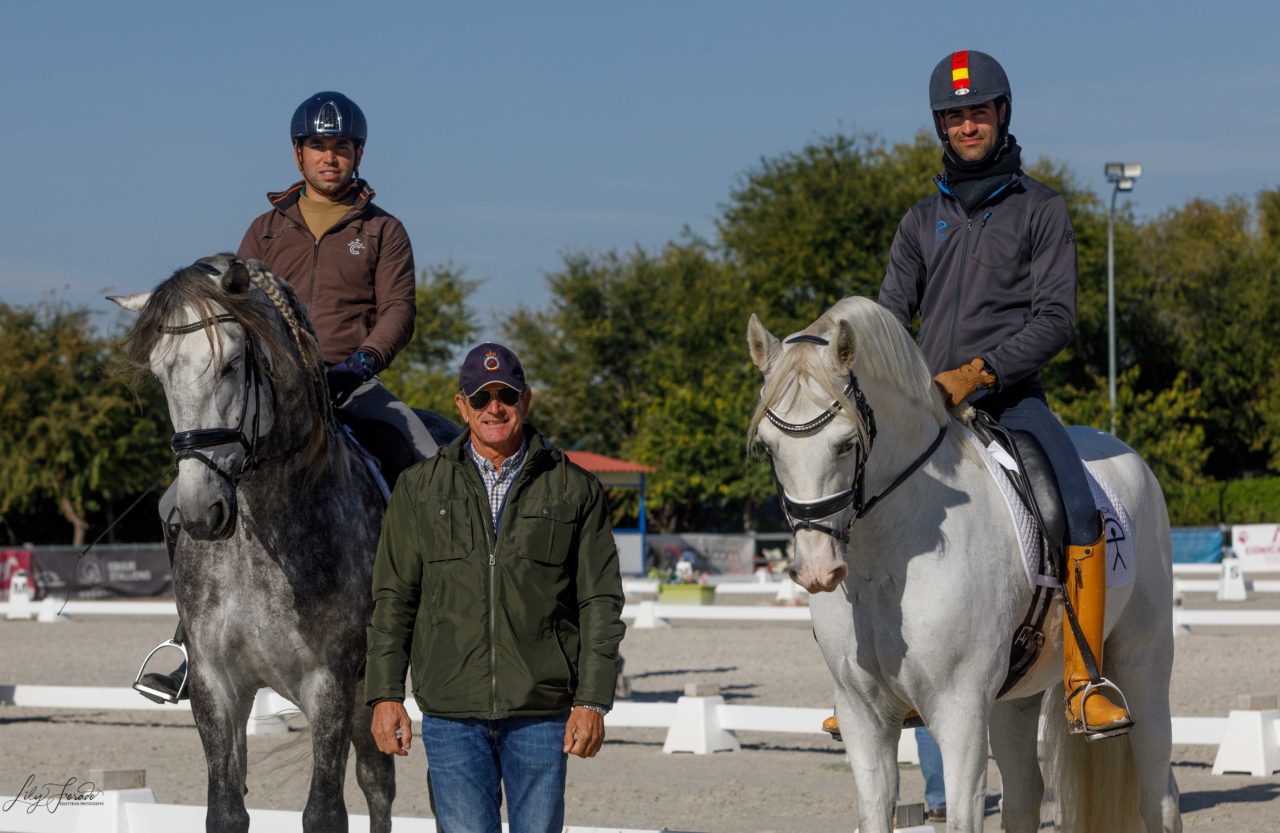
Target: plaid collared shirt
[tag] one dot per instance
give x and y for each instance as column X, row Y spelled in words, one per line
column 498, row 483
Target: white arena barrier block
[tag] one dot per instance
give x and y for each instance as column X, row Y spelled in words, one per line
column 647, row 616
column 265, row 717
column 49, row 611
column 20, row 606
column 1251, row 744
column 696, row 727
column 1231, row 584
column 788, row 592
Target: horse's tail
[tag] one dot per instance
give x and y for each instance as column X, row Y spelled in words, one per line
column 1095, row 784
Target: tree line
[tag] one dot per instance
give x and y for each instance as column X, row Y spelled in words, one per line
column 641, row 353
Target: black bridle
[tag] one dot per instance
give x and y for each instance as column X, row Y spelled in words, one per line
column 802, row 514
column 187, row 445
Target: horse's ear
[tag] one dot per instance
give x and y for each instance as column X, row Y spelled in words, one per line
column 846, row 345
column 235, row 280
column 762, row 344
column 133, row 303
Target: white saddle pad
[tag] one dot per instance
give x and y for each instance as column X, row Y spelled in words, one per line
column 1115, row 519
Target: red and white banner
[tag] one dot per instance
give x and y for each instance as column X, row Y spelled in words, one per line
column 11, row 561
column 1257, row 545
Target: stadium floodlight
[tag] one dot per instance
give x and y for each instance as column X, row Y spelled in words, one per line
column 1122, row 175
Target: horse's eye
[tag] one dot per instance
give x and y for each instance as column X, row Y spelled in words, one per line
column 228, row 369
column 845, row 447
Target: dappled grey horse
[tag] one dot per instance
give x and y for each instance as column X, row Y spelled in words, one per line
column 280, row 523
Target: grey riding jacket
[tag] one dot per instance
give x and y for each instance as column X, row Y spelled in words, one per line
column 997, row 283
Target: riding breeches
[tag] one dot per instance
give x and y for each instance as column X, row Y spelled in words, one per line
column 1030, row 412
column 371, row 402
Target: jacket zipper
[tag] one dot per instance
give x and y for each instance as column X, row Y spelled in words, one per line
column 493, row 577
column 964, row 264
column 955, row 307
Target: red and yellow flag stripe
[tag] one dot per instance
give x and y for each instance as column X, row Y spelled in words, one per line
column 960, row 72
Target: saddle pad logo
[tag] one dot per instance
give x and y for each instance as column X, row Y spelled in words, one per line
column 356, row 246
column 1116, row 528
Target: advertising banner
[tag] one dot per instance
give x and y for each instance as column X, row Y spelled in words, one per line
column 1257, row 545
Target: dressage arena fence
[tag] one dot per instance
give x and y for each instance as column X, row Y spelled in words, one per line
column 700, row 722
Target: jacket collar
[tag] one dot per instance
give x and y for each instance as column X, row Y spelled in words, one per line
column 540, row 448
column 288, row 198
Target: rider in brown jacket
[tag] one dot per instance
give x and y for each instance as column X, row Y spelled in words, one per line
column 351, row 263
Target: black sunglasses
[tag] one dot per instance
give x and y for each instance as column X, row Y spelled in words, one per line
column 480, row 399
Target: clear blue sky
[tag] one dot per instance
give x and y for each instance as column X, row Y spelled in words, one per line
column 139, row 136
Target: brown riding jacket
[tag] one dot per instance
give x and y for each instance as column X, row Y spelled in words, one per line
column 356, row 280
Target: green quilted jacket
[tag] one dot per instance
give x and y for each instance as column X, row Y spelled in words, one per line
column 524, row 622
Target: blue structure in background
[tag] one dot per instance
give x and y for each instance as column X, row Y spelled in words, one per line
column 1198, row 544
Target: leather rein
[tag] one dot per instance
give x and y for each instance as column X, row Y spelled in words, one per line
column 802, row 514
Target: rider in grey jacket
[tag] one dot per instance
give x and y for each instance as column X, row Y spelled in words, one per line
column 989, row 263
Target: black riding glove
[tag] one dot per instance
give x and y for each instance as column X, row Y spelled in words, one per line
column 352, row 372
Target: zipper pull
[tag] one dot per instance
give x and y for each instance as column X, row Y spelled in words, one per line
column 492, row 559
column 986, row 215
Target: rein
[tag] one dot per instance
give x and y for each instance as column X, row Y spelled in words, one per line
column 802, row 514
column 187, row 445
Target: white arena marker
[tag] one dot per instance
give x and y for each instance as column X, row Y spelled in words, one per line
column 696, row 728
column 1231, row 585
column 1251, row 744
column 647, row 616
column 19, row 607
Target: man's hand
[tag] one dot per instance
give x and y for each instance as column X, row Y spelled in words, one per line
column 957, row 385
column 391, row 727
column 347, row 375
column 584, row 732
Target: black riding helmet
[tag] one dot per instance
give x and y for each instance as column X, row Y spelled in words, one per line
column 968, row 78
column 328, row 114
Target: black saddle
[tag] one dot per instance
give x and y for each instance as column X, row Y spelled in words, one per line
column 1038, row 490
column 390, row 447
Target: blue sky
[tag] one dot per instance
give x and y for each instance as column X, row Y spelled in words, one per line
column 143, row 135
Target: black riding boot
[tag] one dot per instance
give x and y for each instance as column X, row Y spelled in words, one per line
column 171, row 687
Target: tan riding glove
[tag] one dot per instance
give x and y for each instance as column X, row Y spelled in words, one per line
column 957, row 385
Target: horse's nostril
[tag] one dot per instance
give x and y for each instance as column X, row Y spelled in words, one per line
column 792, row 573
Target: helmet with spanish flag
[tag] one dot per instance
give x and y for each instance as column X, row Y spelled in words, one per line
column 966, row 79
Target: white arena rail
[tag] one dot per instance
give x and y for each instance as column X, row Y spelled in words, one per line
column 702, row 723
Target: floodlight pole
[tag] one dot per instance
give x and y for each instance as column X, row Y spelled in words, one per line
column 1111, row 307
column 1122, row 176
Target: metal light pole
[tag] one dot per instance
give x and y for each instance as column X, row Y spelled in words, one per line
column 1122, row 176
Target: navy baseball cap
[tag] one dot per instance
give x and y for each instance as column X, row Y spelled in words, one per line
column 490, row 363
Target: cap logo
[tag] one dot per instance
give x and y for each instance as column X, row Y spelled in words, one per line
column 329, row 119
column 490, row 361
column 960, row 72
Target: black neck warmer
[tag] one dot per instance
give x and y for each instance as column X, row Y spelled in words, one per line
column 973, row 182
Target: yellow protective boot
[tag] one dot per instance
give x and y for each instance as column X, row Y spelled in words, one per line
column 1086, row 584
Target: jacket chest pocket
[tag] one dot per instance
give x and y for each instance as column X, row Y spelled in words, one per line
column 448, row 533
column 546, row 530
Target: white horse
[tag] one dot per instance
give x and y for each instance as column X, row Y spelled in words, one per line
column 915, row 604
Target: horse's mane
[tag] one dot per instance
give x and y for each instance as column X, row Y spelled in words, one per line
column 884, row 351
column 195, row 288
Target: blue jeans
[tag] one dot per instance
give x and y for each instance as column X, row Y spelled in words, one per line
column 470, row 760
column 1029, row 412
column 935, row 793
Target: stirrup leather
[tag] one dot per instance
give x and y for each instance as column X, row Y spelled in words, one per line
column 1081, row 725
column 160, row 695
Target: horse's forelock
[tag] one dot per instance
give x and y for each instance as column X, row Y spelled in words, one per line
column 884, row 351
column 273, row 319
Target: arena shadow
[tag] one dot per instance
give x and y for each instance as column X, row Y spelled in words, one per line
column 1247, row 794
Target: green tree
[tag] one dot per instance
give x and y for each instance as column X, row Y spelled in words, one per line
column 811, row 227
column 1164, row 427
column 70, row 430
column 425, row 374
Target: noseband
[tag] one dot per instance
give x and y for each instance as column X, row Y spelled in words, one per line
column 802, row 514
column 187, row 445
